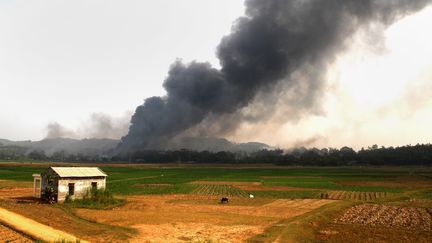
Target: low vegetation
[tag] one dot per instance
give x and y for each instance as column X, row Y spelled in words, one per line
column 95, row 199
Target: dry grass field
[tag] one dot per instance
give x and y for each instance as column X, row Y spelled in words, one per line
column 289, row 205
column 172, row 218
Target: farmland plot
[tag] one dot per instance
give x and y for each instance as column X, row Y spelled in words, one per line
column 357, row 196
column 219, row 190
column 388, row 216
column 9, row 235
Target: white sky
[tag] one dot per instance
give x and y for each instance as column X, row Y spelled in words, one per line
column 65, row 60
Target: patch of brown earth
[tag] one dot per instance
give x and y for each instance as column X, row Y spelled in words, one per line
column 9, row 235
column 15, row 192
column 194, row 232
column 370, row 234
column 174, row 215
column 388, row 216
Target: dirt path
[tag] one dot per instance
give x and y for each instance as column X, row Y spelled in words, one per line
column 34, row 229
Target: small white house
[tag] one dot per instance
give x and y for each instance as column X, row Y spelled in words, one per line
column 73, row 181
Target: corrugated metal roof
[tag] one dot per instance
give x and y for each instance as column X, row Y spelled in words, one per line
column 78, row 171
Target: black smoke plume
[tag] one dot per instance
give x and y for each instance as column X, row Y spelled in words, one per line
column 267, row 46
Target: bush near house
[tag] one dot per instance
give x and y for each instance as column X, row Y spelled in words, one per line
column 96, row 199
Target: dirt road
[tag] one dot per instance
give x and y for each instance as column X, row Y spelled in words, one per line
column 34, row 229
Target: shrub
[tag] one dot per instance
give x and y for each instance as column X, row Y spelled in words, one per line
column 96, row 199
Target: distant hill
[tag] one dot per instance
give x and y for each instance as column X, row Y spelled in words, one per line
column 68, row 145
column 94, row 146
column 214, row 145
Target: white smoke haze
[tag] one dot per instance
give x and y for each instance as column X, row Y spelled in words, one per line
column 56, row 130
column 98, row 125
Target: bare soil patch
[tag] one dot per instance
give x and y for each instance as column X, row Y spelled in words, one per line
column 9, row 235
column 180, row 220
column 194, row 232
column 370, row 234
column 15, row 192
column 388, row 216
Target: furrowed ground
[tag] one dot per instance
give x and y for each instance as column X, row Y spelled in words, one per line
column 174, row 204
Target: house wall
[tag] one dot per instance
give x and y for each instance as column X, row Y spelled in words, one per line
column 82, row 186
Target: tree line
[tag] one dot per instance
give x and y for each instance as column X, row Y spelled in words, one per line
column 420, row 154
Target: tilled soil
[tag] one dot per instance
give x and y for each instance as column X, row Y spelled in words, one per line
column 388, row 216
column 357, row 196
column 9, row 235
column 401, row 183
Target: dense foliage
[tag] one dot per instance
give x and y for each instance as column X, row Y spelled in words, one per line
column 420, row 154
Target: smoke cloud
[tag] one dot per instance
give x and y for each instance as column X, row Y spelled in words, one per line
column 98, row 125
column 279, row 48
column 56, row 130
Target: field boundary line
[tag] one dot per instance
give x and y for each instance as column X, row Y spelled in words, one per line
column 35, row 229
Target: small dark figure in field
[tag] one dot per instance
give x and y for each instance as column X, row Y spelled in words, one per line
column 224, row 200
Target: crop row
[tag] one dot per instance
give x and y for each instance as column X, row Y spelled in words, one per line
column 390, row 216
column 359, row 196
column 220, row 190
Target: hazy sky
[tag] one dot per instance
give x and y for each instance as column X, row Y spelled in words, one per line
column 64, row 61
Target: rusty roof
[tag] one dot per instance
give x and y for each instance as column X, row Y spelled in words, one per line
column 78, row 171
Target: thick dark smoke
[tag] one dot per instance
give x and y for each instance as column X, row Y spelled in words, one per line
column 268, row 46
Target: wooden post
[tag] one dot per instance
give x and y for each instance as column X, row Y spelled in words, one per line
column 34, row 186
column 40, row 187
column 37, row 177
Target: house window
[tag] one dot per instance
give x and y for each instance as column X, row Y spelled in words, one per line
column 94, row 186
column 71, row 188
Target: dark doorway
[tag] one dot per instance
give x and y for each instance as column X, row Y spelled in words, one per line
column 94, row 186
column 71, row 189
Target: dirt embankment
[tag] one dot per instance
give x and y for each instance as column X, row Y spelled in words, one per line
column 34, row 229
column 19, row 201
